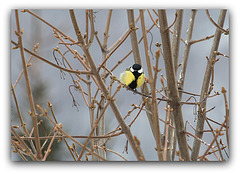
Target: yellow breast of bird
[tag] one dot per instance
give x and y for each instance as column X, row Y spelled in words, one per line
column 127, row 77
column 140, row 80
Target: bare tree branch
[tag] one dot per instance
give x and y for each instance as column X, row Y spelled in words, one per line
column 153, row 89
column 215, row 24
column 175, row 55
column 186, row 52
column 176, row 38
column 172, row 86
column 206, row 81
column 29, row 91
column 101, row 127
column 113, row 105
column 137, row 59
column 53, row 64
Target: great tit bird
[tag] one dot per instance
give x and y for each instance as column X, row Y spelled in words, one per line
column 133, row 76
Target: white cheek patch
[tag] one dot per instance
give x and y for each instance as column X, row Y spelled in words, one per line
column 131, row 69
column 140, row 71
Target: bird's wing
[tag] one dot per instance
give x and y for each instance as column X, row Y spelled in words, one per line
column 140, row 80
column 127, row 77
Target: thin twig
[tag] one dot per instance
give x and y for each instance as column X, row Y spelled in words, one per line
column 227, row 114
column 23, row 124
column 112, row 151
column 122, row 37
column 29, row 91
column 221, row 54
column 175, row 19
column 77, row 55
column 140, row 110
column 50, row 63
column 49, row 147
column 20, row 75
column 213, row 133
column 18, row 150
column 200, row 40
column 198, row 139
column 108, row 56
column 107, row 135
column 96, row 125
column 215, row 138
column 215, row 24
column 25, row 146
column 59, row 128
column 154, row 21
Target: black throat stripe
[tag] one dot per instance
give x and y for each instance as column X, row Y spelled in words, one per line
column 133, row 85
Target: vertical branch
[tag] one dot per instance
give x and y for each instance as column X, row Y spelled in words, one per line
column 186, row 52
column 105, row 91
column 227, row 114
column 137, row 59
column 168, row 111
column 133, row 36
column 76, row 28
column 172, row 86
column 175, row 55
column 49, row 146
column 29, row 91
column 205, row 85
column 176, row 38
column 101, row 127
column 107, row 30
column 90, row 106
column 81, row 40
column 86, row 18
column 23, row 124
column 92, row 28
column 153, row 89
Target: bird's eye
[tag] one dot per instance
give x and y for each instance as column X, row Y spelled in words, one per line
column 140, row 71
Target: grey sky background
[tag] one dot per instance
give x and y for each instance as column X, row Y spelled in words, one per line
column 77, row 122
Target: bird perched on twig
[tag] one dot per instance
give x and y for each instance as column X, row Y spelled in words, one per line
column 133, row 77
